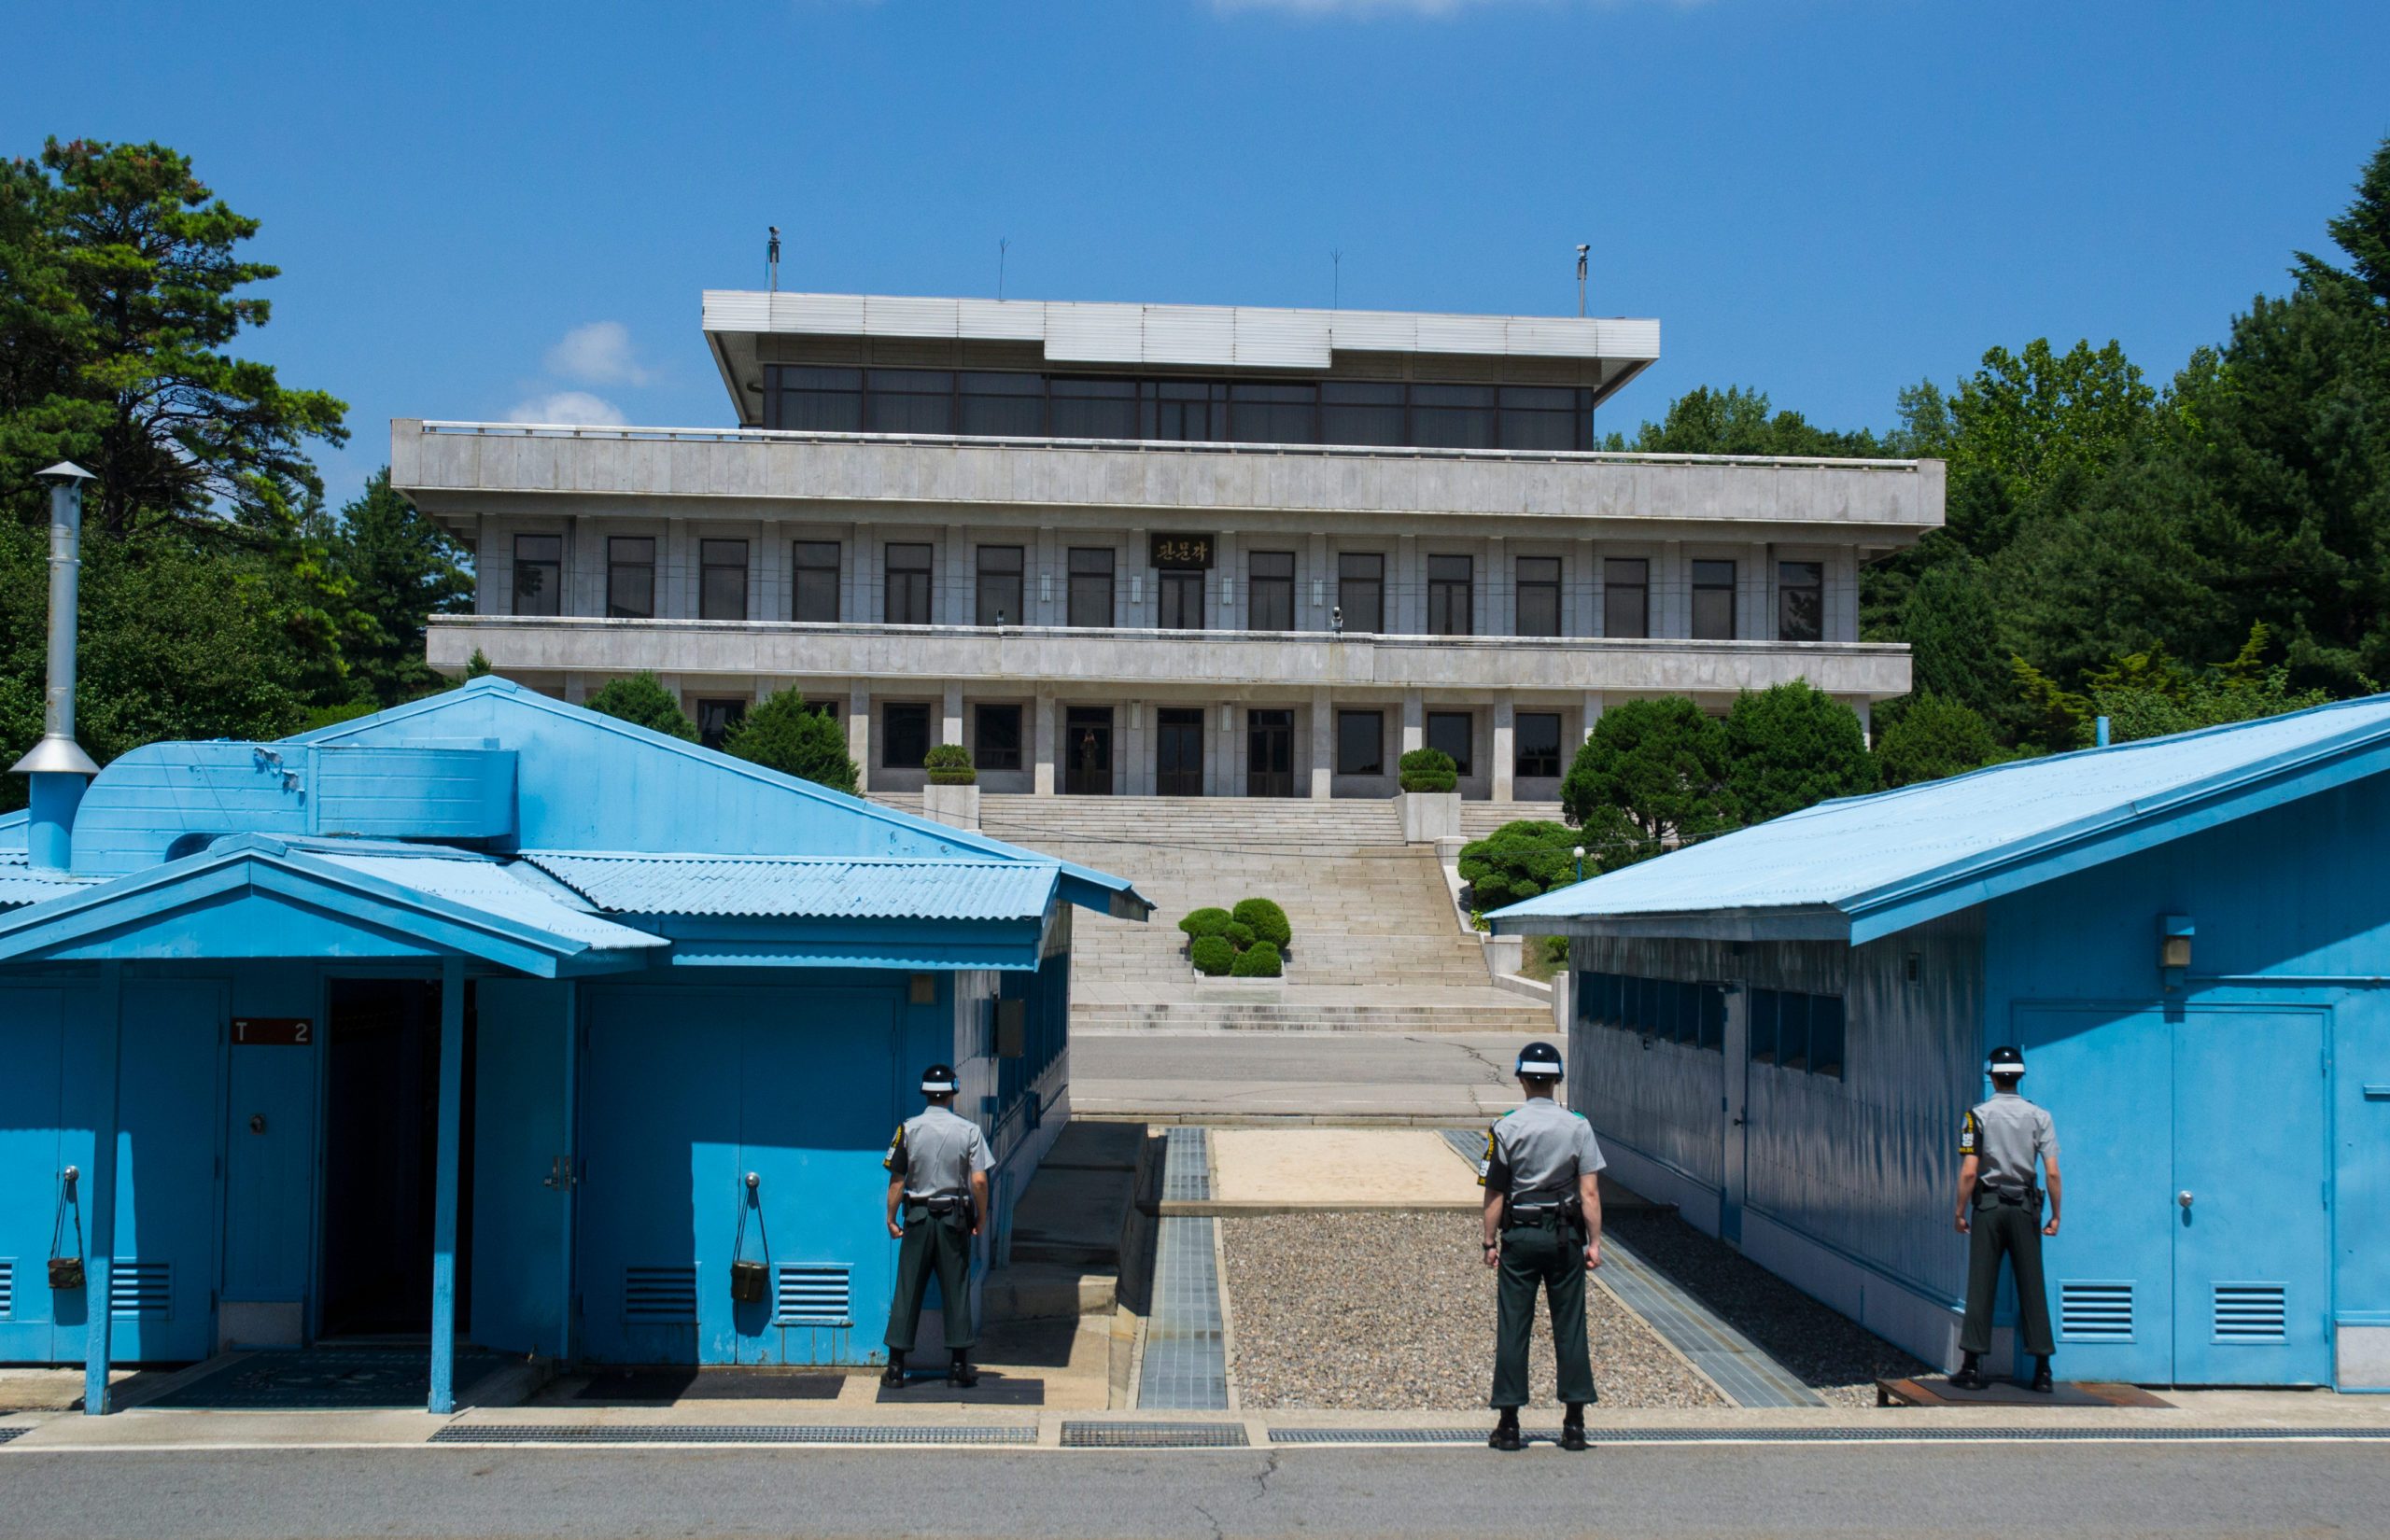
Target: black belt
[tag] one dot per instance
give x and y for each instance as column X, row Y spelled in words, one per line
column 940, row 1204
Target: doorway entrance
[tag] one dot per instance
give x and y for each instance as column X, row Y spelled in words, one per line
column 1179, row 755
column 1270, row 753
column 1088, row 751
column 381, row 1159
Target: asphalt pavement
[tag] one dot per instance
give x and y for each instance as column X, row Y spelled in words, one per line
column 1455, row 1077
column 2016, row 1491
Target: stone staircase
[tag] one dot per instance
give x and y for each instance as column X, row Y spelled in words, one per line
column 1478, row 820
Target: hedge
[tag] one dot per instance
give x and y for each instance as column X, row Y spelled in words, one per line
column 1259, row 960
column 1266, row 919
column 1213, row 955
column 1205, row 922
column 1428, row 770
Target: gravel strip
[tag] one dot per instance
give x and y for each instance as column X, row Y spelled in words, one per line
column 1395, row 1313
column 1830, row 1353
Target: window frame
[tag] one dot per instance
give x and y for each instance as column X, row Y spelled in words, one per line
column 997, row 582
column 1083, row 579
column 1702, row 620
column 988, row 755
column 1787, row 594
column 798, row 566
column 1375, row 584
column 908, row 712
column 711, row 560
column 1519, row 770
column 1173, row 586
column 1465, row 761
column 554, row 564
column 617, row 564
column 1264, row 592
column 1614, row 590
column 1353, row 716
column 1545, row 589
column 918, row 583
column 1452, row 596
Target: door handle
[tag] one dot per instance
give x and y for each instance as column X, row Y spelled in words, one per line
column 559, row 1175
column 2184, row 1198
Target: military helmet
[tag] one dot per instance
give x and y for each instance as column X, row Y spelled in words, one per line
column 1539, row 1061
column 938, row 1080
column 2003, row 1063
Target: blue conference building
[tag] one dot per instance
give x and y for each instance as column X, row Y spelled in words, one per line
column 494, row 1018
column 2189, row 937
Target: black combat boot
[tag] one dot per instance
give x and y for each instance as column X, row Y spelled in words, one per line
column 892, row 1377
column 1506, row 1433
column 960, row 1374
column 1970, row 1374
column 1572, row 1426
column 2042, row 1376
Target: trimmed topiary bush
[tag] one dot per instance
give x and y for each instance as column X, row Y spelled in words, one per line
column 1267, row 920
column 1240, row 936
column 1521, row 859
column 950, row 765
column 1205, row 922
column 1213, row 954
column 1258, row 960
column 1428, row 770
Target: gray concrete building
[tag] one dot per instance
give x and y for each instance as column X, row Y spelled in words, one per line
column 1120, row 549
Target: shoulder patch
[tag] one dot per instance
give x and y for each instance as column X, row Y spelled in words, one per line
column 895, row 1150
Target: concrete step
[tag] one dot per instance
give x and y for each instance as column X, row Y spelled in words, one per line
column 1040, row 1291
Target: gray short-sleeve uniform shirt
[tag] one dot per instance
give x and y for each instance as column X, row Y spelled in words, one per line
column 2006, row 1135
column 935, row 1153
column 1536, row 1154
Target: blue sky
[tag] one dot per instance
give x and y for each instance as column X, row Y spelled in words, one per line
column 479, row 208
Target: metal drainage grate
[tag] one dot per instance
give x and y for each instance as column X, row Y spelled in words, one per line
column 1154, row 1436
column 1820, row 1435
column 6, row 1434
column 717, row 1434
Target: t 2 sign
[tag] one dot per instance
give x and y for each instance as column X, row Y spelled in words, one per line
column 273, row 1031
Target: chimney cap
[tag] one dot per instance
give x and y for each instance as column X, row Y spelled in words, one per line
column 66, row 471
column 54, row 756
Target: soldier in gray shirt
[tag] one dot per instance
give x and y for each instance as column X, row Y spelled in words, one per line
column 938, row 1198
column 1999, row 1213
column 1544, row 1225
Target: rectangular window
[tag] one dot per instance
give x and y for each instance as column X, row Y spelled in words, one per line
column 1002, row 406
column 630, row 577
column 1090, row 587
column 1792, row 1030
column 1189, row 411
column 714, row 718
column 812, row 400
column 1092, row 409
column 908, row 400
column 1800, row 601
column 1825, row 1035
column 1535, row 735
column 1453, row 416
column 1714, row 601
column 1000, row 591
column 538, row 574
column 1360, row 743
column 1182, row 600
column 905, row 736
column 1449, row 610
column 997, row 739
column 1360, row 592
column 1762, row 1027
column 1627, row 598
column 1271, row 589
column 1452, row 732
column 816, row 564
column 1539, row 597
column 722, row 579
column 1539, row 417
column 1355, row 412
column 908, row 585
column 1713, row 1019
column 1274, row 414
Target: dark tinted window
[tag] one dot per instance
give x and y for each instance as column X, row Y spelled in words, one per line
column 1091, row 597
column 1537, row 736
column 1092, row 409
column 1360, row 743
column 1800, row 601
column 630, row 577
column 1449, row 610
column 819, row 400
column 1000, row 592
column 1009, row 406
column 1539, row 597
column 1714, row 601
column 714, row 718
column 1627, row 598
column 816, row 565
column 1274, row 414
column 538, row 574
column 1446, row 416
column 1195, row 411
column 996, row 744
column 1539, row 417
column 908, row 585
column 1451, row 732
column 1271, row 602
column 905, row 730
column 1360, row 591
column 722, row 579
column 908, row 400
column 1354, row 412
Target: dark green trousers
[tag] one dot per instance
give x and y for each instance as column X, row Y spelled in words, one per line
column 2013, row 1231
column 932, row 1245
column 1551, row 1256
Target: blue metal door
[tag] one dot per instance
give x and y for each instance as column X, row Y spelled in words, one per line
column 162, row 1288
column 269, row 1167
column 522, row 1176
column 2252, row 1231
column 31, row 1163
column 2104, row 1073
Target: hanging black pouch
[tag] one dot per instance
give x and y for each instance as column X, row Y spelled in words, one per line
column 66, row 1272
column 751, row 1282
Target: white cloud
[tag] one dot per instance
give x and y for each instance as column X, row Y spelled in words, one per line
column 577, row 408
column 596, row 353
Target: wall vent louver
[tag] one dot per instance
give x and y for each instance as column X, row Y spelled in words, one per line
column 653, row 1296
column 2095, row 1312
column 2250, row 1312
column 143, row 1291
column 8, row 1289
column 814, row 1296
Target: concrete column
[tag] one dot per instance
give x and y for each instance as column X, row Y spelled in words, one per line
column 487, row 595
column 1406, row 596
column 1505, row 747
column 1671, row 606
column 947, row 582
column 1585, row 615
column 1323, row 744
column 1230, row 774
column 576, row 686
column 444, row 1200
column 1842, row 599
column 1757, row 581
column 859, row 731
column 1048, row 589
column 1043, row 786
column 771, row 564
column 1494, row 618
column 1224, row 559
column 1137, row 773
column 1322, row 595
column 951, row 727
column 1863, row 706
column 850, row 601
column 1414, row 721
column 1590, row 715
column 98, row 1195
column 1144, row 610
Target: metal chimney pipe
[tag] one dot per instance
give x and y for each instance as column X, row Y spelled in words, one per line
column 58, row 766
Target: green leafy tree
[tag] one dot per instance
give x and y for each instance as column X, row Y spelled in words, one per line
column 1953, row 631
column 1520, row 859
column 642, row 698
column 784, row 734
column 1791, row 746
column 402, row 569
column 1735, row 421
column 1934, row 738
column 2150, row 695
column 1652, row 774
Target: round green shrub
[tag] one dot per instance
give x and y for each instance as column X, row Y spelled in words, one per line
column 1205, row 922
column 950, row 765
column 1269, row 921
column 1240, row 936
column 1258, row 960
column 1428, row 770
column 1213, row 954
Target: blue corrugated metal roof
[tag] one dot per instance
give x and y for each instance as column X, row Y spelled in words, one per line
column 1968, row 836
column 828, row 887
column 19, row 885
column 494, row 889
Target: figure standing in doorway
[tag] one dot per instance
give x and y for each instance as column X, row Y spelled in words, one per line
column 1999, row 1213
column 1544, row 1225
column 937, row 1198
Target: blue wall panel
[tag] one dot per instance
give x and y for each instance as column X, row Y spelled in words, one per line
column 31, row 1156
column 169, row 1119
column 522, row 1037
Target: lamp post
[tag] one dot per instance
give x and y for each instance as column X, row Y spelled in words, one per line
column 57, row 765
column 1581, row 864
